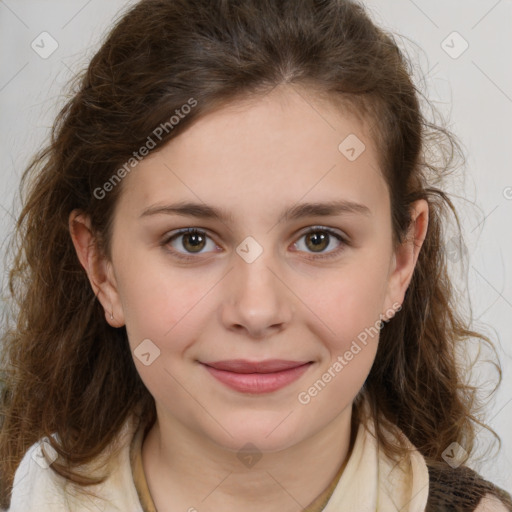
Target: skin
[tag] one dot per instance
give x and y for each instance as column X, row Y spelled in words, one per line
column 252, row 158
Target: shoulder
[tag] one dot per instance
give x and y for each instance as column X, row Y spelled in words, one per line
column 463, row 489
column 35, row 484
column 38, row 487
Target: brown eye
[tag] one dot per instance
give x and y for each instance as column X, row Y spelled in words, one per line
column 189, row 241
column 318, row 240
column 193, row 242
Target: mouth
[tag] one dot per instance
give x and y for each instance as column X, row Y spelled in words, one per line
column 257, row 377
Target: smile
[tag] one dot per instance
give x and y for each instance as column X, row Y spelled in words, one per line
column 257, row 377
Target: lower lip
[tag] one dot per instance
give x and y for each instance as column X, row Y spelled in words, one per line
column 258, row 383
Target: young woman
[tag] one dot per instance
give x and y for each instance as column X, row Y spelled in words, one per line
column 231, row 282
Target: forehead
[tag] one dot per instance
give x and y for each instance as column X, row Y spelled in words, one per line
column 277, row 148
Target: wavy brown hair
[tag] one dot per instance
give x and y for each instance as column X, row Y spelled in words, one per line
column 65, row 370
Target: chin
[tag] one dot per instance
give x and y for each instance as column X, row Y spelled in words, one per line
column 267, row 436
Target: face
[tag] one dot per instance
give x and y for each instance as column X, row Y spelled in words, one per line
column 266, row 278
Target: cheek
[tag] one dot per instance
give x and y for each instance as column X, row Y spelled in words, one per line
column 169, row 309
column 347, row 312
column 159, row 301
column 350, row 301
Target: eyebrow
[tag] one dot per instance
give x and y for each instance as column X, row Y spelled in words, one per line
column 295, row 212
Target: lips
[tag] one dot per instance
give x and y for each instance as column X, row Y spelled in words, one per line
column 257, row 377
column 243, row 366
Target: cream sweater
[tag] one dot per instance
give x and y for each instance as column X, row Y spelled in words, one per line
column 370, row 482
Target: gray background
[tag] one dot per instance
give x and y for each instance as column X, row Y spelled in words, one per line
column 472, row 90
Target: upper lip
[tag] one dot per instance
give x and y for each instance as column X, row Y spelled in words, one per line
column 244, row 366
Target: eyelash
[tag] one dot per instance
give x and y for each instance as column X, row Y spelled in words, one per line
column 318, row 256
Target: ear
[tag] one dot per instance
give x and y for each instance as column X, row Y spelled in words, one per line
column 406, row 255
column 98, row 268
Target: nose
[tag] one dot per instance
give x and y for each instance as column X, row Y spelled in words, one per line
column 257, row 301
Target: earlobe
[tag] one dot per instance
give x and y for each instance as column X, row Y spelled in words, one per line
column 406, row 255
column 97, row 267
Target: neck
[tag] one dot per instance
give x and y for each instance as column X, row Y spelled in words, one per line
column 186, row 471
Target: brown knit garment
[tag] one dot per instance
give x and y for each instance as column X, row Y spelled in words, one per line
column 459, row 489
